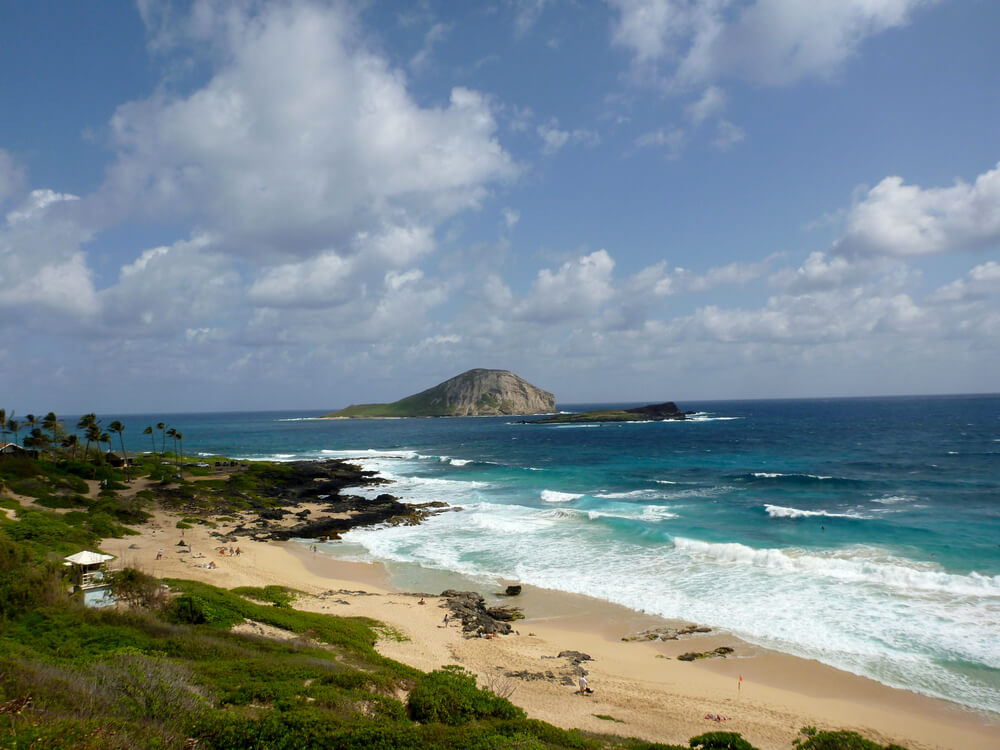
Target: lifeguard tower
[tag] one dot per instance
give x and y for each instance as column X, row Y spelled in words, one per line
column 88, row 577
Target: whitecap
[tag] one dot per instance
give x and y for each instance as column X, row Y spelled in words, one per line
column 552, row 496
column 779, row 511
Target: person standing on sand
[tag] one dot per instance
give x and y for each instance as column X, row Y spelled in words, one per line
column 583, row 685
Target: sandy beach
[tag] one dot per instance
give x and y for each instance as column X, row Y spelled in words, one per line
column 640, row 688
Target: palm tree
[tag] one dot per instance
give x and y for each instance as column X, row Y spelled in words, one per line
column 3, row 425
column 51, row 423
column 71, row 441
column 32, row 421
column 149, row 431
column 180, row 439
column 37, row 439
column 163, row 430
column 88, row 423
column 173, row 436
column 118, row 427
column 13, row 426
column 106, row 438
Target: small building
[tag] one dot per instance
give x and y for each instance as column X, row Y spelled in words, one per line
column 88, row 569
column 12, row 449
column 116, row 459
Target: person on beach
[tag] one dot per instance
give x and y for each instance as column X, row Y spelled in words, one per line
column 159, row 554
column 446, row 619
column 583, row 685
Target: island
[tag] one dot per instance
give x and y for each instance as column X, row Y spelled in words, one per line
column 649, row 413
column 475, row 393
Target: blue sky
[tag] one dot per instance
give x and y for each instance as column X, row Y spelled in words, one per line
column 209, row 205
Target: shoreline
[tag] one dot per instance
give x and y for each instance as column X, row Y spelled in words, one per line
column 639, row 684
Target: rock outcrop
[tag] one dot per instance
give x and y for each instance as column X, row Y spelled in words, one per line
column 476, row 393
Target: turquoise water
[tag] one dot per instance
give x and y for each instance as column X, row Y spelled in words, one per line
column 864, row 533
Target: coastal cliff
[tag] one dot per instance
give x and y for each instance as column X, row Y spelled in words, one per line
column 476, row 393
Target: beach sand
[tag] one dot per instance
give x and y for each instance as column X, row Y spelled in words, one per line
column 643, row 689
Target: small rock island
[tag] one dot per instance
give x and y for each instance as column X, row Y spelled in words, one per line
column 476, row 393
column 649, row 413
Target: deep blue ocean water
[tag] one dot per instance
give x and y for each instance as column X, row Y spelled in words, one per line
column 864, row 533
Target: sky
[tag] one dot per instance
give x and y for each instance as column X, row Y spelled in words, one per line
column 210, row 206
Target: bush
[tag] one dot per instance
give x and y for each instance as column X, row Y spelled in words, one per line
column 450, row 696
column 26, row 580
column 812, row 739
column 720, row 741
column 137, row 589
column 186, row 610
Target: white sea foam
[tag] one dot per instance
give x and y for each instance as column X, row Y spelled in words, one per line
column 570, row 426
column 632, row 495
column 779, row 475
column 847, row 565
column 664, row 481
column 552, row 496
column 778, row 511
column 893, row 499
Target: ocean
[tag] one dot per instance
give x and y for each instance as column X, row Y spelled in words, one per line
column 863, row 533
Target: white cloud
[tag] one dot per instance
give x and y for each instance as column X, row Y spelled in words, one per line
column 672, row 141
column 982, row 282
column 437, row 33
column 711, row 104
column 322, row 281
column 775, row 42
column 727, row 135
column 553, row 138
column 41, row 265
column 575, row 290
column 511, row 217
column 301, row 141
column 527, row 14
column 905, row 220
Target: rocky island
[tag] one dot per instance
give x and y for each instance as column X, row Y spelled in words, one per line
column 649, row 413
column 476, row 393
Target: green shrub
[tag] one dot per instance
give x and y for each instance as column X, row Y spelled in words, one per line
column 31, row 487
column 450, row 696
column 813, row 739
column 26, row 579
column 186, row 610
column 720, row 741
column 63, row 501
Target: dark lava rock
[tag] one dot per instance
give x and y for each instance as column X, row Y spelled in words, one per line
column 512, row 591
column 470, row 608
column 666, row 410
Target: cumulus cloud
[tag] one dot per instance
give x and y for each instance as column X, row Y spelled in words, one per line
column 302, row 140
column 41, row 264
column 982, row 282
column 577, row 288
column 897, row 219
column 775, row 42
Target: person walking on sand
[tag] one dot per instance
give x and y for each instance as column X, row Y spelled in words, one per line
column 583, row 685
column 159, row 554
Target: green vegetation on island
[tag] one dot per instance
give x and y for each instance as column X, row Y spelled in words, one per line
column 474, row 393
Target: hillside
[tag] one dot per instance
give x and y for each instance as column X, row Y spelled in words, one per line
column 476, row 393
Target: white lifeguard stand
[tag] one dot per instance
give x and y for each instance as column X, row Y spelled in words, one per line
column 88, row 577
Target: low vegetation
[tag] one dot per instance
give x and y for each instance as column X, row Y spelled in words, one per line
column 166, row 670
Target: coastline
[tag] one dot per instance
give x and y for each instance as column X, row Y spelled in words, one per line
column 640, row 685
